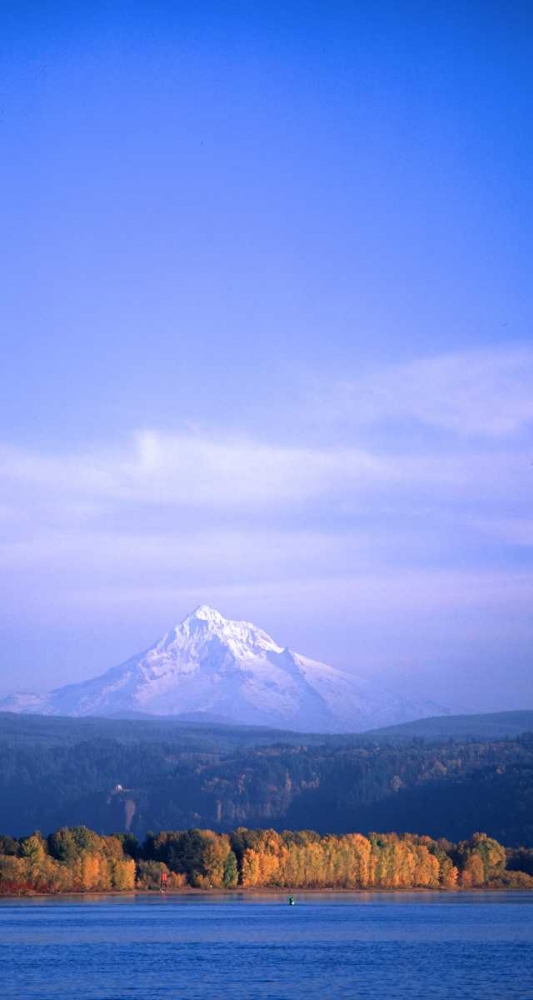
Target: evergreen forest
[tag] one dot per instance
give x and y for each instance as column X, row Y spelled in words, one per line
column 132, row 777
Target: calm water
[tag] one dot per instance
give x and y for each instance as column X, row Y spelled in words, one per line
column 477, row 947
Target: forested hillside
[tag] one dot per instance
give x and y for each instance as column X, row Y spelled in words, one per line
column 488, row 726
column 136, row 776
column 78, row 860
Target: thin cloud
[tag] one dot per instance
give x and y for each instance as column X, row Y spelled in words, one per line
column 240, row 476
column 187, row 469
column 513, row 531
column 485, row 393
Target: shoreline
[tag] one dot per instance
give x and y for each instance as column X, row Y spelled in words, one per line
column 265, row 891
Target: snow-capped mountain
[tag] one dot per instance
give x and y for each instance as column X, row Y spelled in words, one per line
column 210, row 667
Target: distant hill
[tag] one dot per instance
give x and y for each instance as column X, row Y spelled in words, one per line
column 489, row 726
column 203, row 734
column 137, row 775
column 199, row 736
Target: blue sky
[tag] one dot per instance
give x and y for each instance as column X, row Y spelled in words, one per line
column 267, row 335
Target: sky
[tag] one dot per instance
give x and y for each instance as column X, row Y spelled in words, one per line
column 266, row 335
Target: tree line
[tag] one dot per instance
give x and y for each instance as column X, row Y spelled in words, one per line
column 75, row 859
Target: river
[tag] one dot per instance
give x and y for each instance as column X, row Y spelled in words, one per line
column 255, row 947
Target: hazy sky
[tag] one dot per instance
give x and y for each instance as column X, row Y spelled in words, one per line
column 267, row 344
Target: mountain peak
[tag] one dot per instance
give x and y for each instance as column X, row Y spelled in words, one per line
column 207, row 614
column 205, row 625
column 210, row 666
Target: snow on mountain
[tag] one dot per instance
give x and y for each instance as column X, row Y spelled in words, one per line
column 210, row 666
